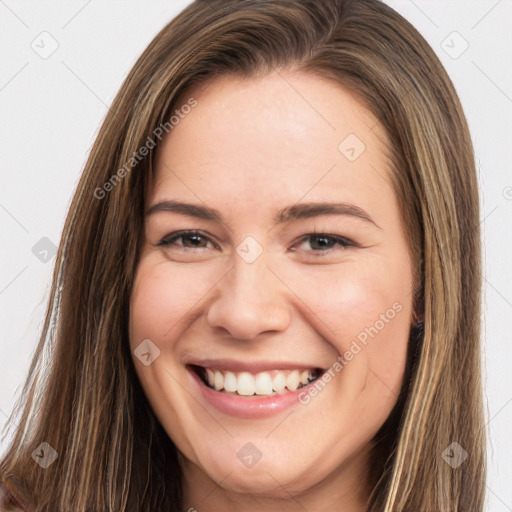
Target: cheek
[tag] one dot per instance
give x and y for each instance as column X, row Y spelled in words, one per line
column 352, row 296
column 162, row 298
column 364, row 311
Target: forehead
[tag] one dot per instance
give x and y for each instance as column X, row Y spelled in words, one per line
column 274, row 138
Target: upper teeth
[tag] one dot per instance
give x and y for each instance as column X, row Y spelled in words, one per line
column 263, row 383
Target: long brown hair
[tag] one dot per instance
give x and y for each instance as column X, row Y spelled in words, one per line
column 82, row 396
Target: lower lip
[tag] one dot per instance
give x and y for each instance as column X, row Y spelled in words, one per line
column 249, row 407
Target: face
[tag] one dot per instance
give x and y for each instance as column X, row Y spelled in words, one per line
column 272, row 302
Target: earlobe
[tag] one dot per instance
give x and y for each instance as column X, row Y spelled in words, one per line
column 418, row 319
column 418, row 325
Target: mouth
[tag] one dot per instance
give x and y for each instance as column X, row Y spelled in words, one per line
column 261, row 384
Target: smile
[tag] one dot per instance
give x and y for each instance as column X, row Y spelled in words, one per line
column 247, row 384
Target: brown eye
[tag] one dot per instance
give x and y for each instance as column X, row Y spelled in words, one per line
column 189, row 240
column 194, row 241
column 321, row 242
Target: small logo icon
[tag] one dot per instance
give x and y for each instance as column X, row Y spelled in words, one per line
column 351, row 147
column 249, row 455
column 454, row 45
column 454, row 455
column 146, row 352
column 507, row 193
column 249, row 249
column 44, row 250
column 44, row 455
column 45, row 45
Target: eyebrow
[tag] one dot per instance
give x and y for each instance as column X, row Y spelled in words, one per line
column 290, row 213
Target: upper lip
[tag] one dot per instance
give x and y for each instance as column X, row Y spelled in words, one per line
column 250, row 366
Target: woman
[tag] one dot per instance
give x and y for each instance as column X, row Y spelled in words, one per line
column 197, row 356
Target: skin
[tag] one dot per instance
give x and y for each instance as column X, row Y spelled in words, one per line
column 248, row 149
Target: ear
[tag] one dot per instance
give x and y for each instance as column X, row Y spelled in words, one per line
column 417, row 319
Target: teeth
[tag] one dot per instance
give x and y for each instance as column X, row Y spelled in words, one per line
column 245, row 384
column 279, row 382
column 304, row 377
column 262, row 384
column 218, row 381
column 292, row 381
column 230, row 382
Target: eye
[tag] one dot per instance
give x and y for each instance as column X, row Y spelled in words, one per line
column 190, row 239
column 322, row 243
column 314, row 243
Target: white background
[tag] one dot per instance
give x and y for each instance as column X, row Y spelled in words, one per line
column 51, row 109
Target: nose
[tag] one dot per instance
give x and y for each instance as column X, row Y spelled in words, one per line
column 250, row 300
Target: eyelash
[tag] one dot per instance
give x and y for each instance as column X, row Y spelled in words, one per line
column 338, row 240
